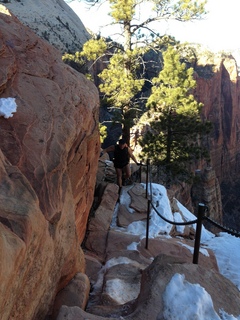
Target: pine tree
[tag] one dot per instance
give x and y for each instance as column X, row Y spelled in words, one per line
column 175, row 138
column 123, row 79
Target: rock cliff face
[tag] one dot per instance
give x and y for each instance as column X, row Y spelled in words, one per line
column 48, row 161
column 219, row 90
column 52, row 20
column 220, row 94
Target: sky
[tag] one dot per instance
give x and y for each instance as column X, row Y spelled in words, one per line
column 218, row 31
column 178, row 290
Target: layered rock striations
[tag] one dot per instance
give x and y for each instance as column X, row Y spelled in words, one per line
column 48, row 161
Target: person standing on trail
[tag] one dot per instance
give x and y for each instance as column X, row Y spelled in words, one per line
column 122, row 155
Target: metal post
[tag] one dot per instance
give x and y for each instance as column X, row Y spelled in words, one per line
column 140, row 172
column 201, row 210
column 147, row 227
column 147, row 178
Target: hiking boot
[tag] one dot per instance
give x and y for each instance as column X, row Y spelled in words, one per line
column 128, row 182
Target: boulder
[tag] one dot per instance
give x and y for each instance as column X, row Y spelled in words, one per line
column 132, row 280
column 93, row 266
column 125, row 217
column 48, row 161
column 99, row 224
column 178, row 248
column 139, row 201
column 74, row 294
column 150, row 304
column 156, row 277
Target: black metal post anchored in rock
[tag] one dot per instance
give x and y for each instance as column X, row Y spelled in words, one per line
column 147, row 177
column 140, row 173
column 147, row 227
column 201, row 210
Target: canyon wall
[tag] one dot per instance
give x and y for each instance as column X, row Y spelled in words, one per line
column 220, row 95
column 218, row 88
column 49, row 151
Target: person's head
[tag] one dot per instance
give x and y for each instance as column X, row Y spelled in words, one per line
column 122, row 143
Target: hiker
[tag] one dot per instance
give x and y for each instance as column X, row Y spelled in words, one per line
column 122, row 155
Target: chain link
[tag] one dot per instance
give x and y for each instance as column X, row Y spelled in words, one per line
column 226, row 229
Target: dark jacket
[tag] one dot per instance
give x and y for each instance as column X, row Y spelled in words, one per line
column 121, row 157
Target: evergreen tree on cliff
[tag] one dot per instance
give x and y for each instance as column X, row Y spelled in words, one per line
column 176, row 134
column 123, row 79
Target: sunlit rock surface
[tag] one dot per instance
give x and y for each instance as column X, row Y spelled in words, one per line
column 52, row 20
column 48, row 163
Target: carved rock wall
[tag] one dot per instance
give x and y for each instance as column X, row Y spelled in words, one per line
column 48, row 161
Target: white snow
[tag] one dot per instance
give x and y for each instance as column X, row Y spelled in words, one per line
column 226, row 250
column 7, row 107
column 191, row 249
column 182, row 300
column 114, row 286
column 178, row 218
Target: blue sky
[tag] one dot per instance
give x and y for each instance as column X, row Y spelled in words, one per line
column 218, row 31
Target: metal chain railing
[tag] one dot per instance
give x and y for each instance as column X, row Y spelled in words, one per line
column 173, row 222
column 201, row 216
column 223, row 228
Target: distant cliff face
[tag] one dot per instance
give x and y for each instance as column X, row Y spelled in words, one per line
column 220, row 95
column 49, row 154
column 218, row 88
column 52, row 20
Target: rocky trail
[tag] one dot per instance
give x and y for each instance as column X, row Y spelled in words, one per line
column 127, row 275
column 127, row 279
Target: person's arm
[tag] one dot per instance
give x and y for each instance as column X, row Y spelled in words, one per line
column 108, row 149
column 131, row 155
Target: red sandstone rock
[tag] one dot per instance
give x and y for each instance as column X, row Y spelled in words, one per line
column 74, row 294
column 138, row 198
column 93, row 266
column 220, row 96
column 99, row 224
column 124, row 217
column 48, row 163
column 155, row 278
column 144, row 274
